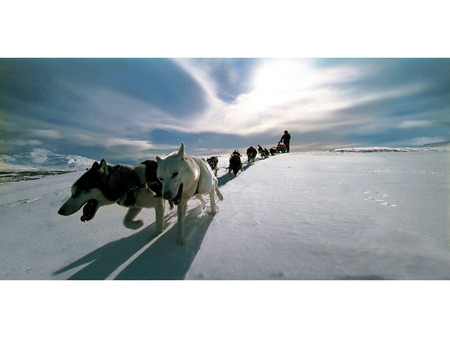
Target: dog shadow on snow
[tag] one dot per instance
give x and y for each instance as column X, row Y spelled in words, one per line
column 225, row 178
column 162, row 260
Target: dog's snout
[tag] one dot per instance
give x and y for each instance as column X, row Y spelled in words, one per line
column 62, row 211
column 167, row 195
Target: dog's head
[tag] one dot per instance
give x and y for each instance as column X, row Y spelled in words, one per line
column 86, row 191
column 172, row 172
column 213, row 161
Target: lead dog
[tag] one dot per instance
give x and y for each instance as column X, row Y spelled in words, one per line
column 132, row 187
column 183, row 177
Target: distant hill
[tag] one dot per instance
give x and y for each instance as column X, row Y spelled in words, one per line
column 425, row 147
column 44, row 161
column 438, row 144
column 375, row 150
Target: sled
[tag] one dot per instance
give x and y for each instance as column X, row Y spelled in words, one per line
column 281, row 147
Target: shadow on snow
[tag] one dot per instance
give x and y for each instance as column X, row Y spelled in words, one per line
column 162, row 260
column 225, row 178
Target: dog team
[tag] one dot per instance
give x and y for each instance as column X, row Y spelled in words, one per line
column 176, row 178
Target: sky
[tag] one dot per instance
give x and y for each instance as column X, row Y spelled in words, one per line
column 130, row 109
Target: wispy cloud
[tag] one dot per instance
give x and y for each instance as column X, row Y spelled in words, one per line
column 415, row 124
column 137, row 108
column 46, row 133
column 133, row 148
column 281, row 93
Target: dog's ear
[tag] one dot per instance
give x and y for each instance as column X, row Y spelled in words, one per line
column 95, row 165
column 181, row 151
column 103, row 167
column 158, row 159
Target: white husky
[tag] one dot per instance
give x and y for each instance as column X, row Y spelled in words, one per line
column 183, row 177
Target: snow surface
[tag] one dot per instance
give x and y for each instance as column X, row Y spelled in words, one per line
column 317, row 215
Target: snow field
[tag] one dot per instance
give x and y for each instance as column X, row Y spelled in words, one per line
column 332, row 216
column 293, row 216
column 312, row 216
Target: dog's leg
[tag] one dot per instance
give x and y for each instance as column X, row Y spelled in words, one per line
column 159, row 215
column 216, row 188
column 200, row 197
column 129, row 222
column 212, row 199
column 180, row 226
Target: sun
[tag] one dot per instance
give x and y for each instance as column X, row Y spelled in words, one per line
column 285, row 75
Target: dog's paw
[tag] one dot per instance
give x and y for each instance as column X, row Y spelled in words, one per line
column 133, row 224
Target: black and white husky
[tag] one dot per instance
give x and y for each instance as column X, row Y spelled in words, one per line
column 132, row 187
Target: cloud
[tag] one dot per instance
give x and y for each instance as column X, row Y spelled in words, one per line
column 39, row 155
column 280, row 93
column 21, row 142
column 127, row 145
column 420, row 141
column 415, row 124
column 133, row 148
column 46, row 133
column 357, row 101
column 135, row 108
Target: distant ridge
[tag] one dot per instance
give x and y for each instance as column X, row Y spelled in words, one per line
column 433, row 147
column 44, row 161
column 438, row 144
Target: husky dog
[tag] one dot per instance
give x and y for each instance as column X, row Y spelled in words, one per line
column 132, row 187
column 235, row 163
column 183, row 177
column 213, row 161
column 263, row 152
column 251, row 155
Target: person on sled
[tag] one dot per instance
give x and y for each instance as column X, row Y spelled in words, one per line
column 286, row 139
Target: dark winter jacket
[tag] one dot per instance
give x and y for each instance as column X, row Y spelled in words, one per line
column 286, row 138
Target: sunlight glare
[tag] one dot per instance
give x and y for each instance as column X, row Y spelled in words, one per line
column 285, row 75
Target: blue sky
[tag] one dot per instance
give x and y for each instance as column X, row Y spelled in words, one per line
column 128, row 110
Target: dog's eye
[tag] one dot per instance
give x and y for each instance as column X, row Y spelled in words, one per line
column 174, row 175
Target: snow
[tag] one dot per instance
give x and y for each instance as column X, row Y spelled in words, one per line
column 332, row 216
column 301, row 216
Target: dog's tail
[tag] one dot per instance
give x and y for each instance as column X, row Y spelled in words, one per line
column 216, row 188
